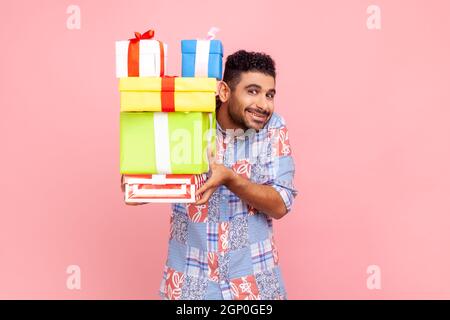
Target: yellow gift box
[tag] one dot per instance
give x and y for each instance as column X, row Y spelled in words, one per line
column 167, row 94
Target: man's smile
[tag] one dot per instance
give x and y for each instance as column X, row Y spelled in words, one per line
column 256, row 116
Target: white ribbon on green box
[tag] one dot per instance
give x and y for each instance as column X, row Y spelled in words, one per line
column 162, row 142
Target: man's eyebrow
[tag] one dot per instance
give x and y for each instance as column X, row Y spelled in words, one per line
column 254, row 85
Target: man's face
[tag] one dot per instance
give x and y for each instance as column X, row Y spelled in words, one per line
column 251, row 103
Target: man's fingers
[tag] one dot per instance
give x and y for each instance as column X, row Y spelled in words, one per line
column 203, row 188
column 205, row 197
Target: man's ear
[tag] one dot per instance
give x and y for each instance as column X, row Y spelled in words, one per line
column 224, row 91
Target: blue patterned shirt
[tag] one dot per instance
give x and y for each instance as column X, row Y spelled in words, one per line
column 225, row 249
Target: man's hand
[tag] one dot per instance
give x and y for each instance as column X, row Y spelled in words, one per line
column 220, row 175
column 264, row 198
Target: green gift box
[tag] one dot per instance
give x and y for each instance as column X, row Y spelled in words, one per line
column 166, row 142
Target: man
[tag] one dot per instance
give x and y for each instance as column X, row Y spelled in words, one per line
column 222, row 247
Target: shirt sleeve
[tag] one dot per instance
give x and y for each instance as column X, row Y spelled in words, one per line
column 280, row 166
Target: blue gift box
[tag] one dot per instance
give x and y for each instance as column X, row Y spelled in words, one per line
column 201, row 58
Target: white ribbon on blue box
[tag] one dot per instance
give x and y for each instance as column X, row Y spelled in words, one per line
column 202, row 58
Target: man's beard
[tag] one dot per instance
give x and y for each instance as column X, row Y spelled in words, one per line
column 237, row 119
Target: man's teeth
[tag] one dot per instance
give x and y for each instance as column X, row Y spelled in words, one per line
column 257, row 115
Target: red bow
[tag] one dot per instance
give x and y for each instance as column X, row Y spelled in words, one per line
column 146, row 35
column 133, row 53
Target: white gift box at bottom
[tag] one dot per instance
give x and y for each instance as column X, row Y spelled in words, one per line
column 163, row 188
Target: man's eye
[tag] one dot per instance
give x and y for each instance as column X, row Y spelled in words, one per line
column 253, row 91
column 271, row 96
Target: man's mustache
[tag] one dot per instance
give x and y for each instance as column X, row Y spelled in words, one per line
column 262, row 112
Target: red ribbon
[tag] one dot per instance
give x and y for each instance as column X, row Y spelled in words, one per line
column 133, row 53
column 168, row 94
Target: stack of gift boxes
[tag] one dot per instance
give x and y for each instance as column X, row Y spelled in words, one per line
column 167, row 124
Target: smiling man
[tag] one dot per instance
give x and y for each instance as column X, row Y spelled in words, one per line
column 222, row 247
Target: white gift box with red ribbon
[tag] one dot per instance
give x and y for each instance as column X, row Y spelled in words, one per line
column 163, row 188
column 142, row 56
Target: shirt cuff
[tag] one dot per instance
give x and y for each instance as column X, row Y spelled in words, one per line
column 286, row 195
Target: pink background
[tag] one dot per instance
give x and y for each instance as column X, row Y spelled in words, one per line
column 368, row 114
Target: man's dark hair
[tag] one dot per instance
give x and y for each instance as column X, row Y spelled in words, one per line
column 244, row 61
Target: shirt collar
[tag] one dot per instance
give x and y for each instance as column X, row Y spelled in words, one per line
column 219, row 128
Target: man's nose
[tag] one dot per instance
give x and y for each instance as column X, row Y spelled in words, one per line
column 263, row 103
